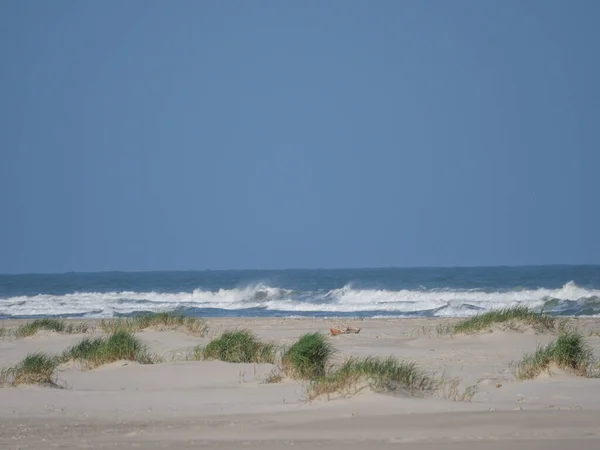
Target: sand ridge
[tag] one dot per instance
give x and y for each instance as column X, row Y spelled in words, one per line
column 178, row 404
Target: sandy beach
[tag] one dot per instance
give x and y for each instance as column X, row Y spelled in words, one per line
column 213, row 404
column 335, row 225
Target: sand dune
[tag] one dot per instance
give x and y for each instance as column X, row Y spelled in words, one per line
column 212, row 404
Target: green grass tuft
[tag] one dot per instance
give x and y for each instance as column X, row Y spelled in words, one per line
column 120, row 345
column 569, row 352
column 162, row 320
column 50, row 324
column 308, row 357
column 240, row 346
column 380, row 374
column 35, row 368
column 507, row 316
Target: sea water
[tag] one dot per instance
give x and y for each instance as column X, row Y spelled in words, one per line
column 384, row 292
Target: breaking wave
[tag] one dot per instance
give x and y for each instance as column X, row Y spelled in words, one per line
column 266, row 300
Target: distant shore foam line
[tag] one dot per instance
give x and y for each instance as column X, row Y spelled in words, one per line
column 440, row 302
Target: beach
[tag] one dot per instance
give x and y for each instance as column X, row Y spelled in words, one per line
column 312, row 225
column 215, row 404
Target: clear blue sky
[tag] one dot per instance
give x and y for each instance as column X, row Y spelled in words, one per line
column 143, row 135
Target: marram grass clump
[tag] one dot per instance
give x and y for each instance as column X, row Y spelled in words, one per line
column 380, row 374
column 569, row 352
column 50, row 324
column 240, row 346
column 120, row 345
column 167, row 320
column 308, row 358
column 35, row 368
column 510, row 317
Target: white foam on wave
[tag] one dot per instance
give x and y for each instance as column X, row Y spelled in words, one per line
column 442, row 302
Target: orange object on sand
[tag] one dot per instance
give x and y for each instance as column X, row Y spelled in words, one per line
column 346, row 330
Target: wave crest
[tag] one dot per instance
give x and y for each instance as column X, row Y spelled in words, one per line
column 373, row 302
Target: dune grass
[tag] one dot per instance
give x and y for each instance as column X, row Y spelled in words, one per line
column 195, row 354
column 308, row 357
column 50, row 324
column 35, row 368
column 120, row 345
column 167, row 320
column 450, row 389
column 3, row 332
column 380, row 374
column 240, row 346
column 507, row 316
column 569, row 352
column 274, row 377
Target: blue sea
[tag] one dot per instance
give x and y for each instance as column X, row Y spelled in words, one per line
column 387, row 292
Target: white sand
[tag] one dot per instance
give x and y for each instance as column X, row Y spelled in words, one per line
column 181, row 405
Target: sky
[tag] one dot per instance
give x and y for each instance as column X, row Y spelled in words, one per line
column 155, row 135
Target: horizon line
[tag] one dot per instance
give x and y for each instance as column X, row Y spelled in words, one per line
column 507, row 266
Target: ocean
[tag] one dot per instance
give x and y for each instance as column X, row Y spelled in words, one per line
column 384, row 292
